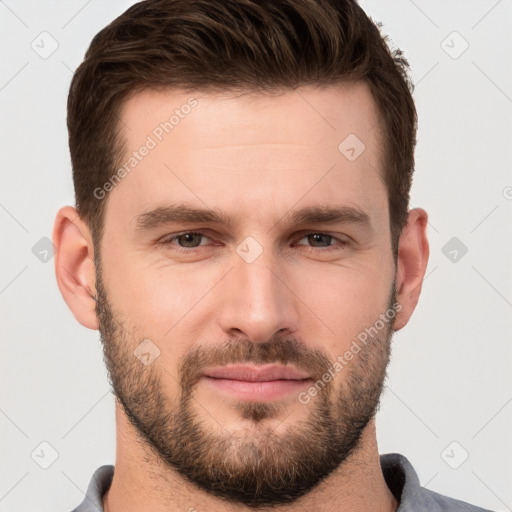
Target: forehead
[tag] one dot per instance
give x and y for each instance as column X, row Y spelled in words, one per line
column 251, row 152
column 306, row 115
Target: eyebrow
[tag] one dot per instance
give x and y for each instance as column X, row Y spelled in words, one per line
column 184, row 213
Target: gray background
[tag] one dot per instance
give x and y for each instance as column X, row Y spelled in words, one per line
column 449, row 393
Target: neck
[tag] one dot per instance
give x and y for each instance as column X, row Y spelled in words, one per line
column 142, row 481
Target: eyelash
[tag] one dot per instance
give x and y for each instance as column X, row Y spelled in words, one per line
column 168, row 242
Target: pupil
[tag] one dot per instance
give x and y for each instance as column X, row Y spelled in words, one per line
column 189, row 238
column 318, row 238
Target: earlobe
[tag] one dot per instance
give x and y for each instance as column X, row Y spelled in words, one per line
column 413, row 253
column 74, row 265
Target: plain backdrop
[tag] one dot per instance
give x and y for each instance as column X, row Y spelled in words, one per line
column 447, row 404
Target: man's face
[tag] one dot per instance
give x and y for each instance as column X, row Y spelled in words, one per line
column 263, row 287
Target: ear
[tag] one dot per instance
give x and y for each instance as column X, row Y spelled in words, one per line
column 413, row 252
column 74, row 265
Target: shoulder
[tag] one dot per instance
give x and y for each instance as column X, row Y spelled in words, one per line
column 403, row 482
column 431, row 498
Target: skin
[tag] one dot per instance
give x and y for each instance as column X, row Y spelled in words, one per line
column 256, row 158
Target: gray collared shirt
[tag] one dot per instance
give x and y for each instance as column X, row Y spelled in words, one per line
column 400, row 476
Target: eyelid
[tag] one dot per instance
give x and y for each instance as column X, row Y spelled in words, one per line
column 168, row 240
column 302, row 234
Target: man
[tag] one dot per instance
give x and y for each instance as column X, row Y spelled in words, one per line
column 243, row 243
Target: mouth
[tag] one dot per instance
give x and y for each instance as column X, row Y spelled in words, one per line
column 261, row 382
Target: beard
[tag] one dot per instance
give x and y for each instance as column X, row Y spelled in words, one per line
column 254, row 466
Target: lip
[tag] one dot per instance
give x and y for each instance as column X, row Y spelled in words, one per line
column 259, row 373
column 262, row 383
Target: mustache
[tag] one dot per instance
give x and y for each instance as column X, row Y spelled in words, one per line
column 239, row 351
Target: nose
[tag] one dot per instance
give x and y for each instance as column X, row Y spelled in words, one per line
column 258, row 300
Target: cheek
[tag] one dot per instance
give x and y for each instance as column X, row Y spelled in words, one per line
column 344, row 300
column 162, row 299
column 139, row 294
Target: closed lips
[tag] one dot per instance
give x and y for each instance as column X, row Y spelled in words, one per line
column 256, row 374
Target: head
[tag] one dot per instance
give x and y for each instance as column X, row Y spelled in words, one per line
column 242, row 173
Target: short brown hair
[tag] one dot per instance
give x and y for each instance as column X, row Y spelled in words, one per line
column 235, row 45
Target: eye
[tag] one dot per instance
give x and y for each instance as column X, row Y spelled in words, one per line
column 188, row 240
column 324, row 240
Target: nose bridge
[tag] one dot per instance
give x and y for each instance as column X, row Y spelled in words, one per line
column 256, row 301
